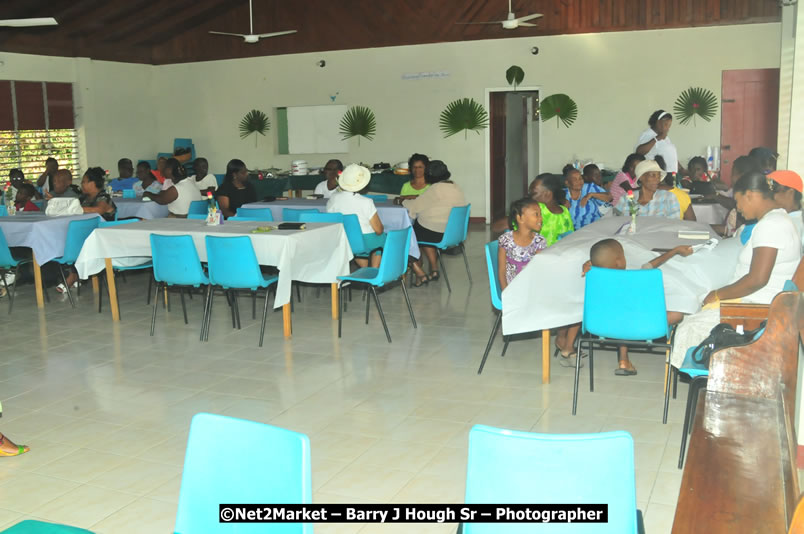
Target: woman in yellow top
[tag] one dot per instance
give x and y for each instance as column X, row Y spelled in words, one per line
column 417, row 183
column 684, row 200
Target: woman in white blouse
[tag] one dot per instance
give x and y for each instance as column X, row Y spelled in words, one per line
column 655, row 142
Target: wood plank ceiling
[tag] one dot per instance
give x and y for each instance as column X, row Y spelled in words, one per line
column 175, row 31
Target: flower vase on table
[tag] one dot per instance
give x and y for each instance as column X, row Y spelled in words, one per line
column 633, row 209
column 214, row 216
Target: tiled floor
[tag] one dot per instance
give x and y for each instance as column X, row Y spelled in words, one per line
column 106, row 408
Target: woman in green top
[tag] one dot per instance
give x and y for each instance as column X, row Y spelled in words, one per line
column 556, row 220
column 418, row 183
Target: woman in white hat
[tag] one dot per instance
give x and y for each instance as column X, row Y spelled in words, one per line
column 655, row 142
column 348, row 200
column 651, row 200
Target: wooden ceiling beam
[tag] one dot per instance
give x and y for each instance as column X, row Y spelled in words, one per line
column 192, row 16
column 105, row 18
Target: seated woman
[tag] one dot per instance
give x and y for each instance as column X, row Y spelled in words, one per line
column 332, row 170
column 417, row 184
column 160, row 167
column 584, row 198
column 768, row 259
column 765, row 158
column 95, row 199
column 556, row 218
column 147, row 180
column 684, row 200
column 349, row 201
column 172, row 171
column 626, row 179
column 787, row 192
column 235, row 189
column 651, row 200
column 177, row 196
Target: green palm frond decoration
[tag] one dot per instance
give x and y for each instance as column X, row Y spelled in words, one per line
column 514, row 75
column 463, row 115
column 359, row 121
column 255, row 121
column 695, row 102
column 561, row 107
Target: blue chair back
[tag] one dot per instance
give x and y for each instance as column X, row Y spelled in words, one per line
column 199, row 207
column 377, row 198
column 322, row 217
column 637, row 312
column 184, row 143
column 129, row 193
column 272, row 466
column 6, row 259
column 492, row 263
column 106, row 224
column 507, row 466
column 355, row 236
column 176, row 260
column 3, row 211
column 255, row 214
column 77, row 233
column 39, row 204
column 394, row 256
column 456, row 229
column 232, row 263
column 219, row 178
column 197, row 216
column 292, row 215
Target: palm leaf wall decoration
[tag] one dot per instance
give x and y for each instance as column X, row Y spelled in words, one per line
column 514, row 75
column 463, row 115
column 695, row 102
column 358, row 121
column 561, row 107
column 255, row 121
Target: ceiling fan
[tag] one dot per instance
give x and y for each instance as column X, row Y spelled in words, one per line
column 512, row 22
column 25, row 23
column 251, row 37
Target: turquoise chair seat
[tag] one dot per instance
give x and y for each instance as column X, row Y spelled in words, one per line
column 292, row 214
column 29, row 526
column 77, row 233
column 321, row 217
column 253, row 214
column 454, row 236
column 364, row 275
column 7, row 263
column 377, row 198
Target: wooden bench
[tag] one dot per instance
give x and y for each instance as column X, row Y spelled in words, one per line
column 740, row 475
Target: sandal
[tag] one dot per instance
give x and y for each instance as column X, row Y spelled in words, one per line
column 624, row 371
column 420, row 281
column 21, row 449
column 61, row 288
column 434, row 276
column 566, row 360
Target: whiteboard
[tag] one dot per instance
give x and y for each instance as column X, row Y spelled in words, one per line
column 314, row 129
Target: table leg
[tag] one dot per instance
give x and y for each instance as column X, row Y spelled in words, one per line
column 95, row 285
column 112, row 290
column 335, row 301
column 40, row 295
column 545, row 356
column 286, row 319
column 298, row 193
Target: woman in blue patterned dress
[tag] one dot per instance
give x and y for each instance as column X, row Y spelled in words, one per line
column 584, row 199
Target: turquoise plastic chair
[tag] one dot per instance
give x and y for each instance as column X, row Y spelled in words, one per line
column 392, row 267
column 129, row 193
column 197, row 216
column 7, row 263
column 255, row 214
column 232, row 265
column 496, row 298
column 116, row 269
column 377, row 198
column 30, row 526
column 507, row 466
column 323, row 218
column 198, row 207
column 292, row 215
column 635, row 318
column 77, row 233
column 271, row 466
column 3, row 211
column 454, row 236
column 184, row 143
column 176, row 263
column 219, row 178
column 351, row 225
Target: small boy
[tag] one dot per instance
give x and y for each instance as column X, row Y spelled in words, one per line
column 592, row 174
column 609, row 254
column 25, row 193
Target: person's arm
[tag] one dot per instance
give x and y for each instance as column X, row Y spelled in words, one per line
column 223, row 201
column 762, row 261
column 376, row 224
column 727, row 202
column 164, row 197
column 646, row 147
column 682, row 250
column 501, row 268
column 40, row 182
column 413, row 206
column 603, row 197
column 101, row 208
column 689, row 215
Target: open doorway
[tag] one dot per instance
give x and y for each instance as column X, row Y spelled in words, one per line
column 512, row 147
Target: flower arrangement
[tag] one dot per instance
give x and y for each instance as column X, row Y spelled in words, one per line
column 633, row 209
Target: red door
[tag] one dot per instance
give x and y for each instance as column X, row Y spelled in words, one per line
column 750, row 114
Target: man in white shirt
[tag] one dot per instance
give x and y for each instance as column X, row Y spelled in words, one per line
column 331, row 171
column 204, row 181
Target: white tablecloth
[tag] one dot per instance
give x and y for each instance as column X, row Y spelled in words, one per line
column 710, row 213
column 317, row 255
column 393, row 217
column 135, row 207
column 43, row 234
column 548, row 293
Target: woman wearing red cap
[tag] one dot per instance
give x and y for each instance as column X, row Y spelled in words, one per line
column 787, row 189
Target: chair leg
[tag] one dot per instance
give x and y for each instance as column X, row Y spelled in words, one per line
column 230, row 298
column 506, row 341
column 204, row 316
column 466, row 262
column 209, row 312
column 675, row 381
column 341, row 308
column 382, row 315
column 443, row 270
column 254, row 305
column 298, row 293
column 667, row 390
column 69, row 293
column 156, row 303
column 491, row 341
column 148, row 295
column 13, row 294
column 236, row 308
column 5, row 285
column 577, row 377
column 264, row 312
column 100, row 293
column 183, row 305
column 591, row 365
column 692, row 399
column 407, row 301
column 368, row 300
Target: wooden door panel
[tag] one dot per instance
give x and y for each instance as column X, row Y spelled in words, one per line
column 497, row 156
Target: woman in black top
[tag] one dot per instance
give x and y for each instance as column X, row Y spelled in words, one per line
column 235, row 190
column 94, row 198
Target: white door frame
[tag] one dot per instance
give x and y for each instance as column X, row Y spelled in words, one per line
column 489, row 90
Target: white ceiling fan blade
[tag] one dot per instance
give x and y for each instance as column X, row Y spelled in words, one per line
column 528, row 25
column 23, row 23
column 274, row 34
column 529, row 17
column 495, row 22
column 227, row 33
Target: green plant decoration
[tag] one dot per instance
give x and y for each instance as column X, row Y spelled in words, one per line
column 255, row 121
column 514, row 75
column 463, row 115
column 358, row 122
column 561, row 107
column 695, row 102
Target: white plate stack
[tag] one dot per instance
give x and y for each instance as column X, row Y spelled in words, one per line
column 299, row 167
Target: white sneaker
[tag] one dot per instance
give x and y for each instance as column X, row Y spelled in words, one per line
column 10, row 277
